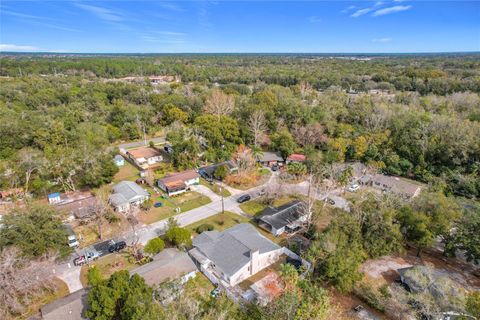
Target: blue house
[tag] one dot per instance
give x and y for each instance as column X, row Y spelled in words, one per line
column 54, row 198
column 119, row 160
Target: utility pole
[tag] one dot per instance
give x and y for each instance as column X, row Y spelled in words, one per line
column 221, row 193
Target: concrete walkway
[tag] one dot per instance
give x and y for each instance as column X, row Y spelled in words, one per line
column 71, row 277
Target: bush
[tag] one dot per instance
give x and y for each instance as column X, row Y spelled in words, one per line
column 179, row 236
column 154, row 246
column 204, row 227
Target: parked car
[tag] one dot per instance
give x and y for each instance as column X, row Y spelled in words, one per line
column 330, row 201
column 275, row 167
column 243, row 198
column 73, row 242
column 116, row 246
column 261, row 192
column 354, row 187
column 89, row 256
column 358, row 308
column 158, row 204
column 215, row 292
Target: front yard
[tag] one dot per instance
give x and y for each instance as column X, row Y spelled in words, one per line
column 88, row 233
column 215, row 188
column 219, row 221
column 255, row 207
column 108, row 265
column 186, row 201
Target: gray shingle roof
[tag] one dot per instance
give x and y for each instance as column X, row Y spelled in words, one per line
column 168, row 264
column 126, row 191
column 283, row 215
column 70, row 307
column 270, row 156
column 230, row 249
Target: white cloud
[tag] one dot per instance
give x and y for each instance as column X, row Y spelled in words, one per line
column 17, row 48
column 390, row 10
column 102, row 13
column 314, row 19
column 171, row 33
column 360, row 12
column 382, row 40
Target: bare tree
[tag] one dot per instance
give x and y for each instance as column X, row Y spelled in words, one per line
column 29, row 161
column 311, row 134
column 305, row 89
column 22, row 280
column 257, row 125
column 100, row 209
column 219, row 103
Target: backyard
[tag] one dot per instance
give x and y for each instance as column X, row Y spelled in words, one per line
column 126, row 172
column 186, row 201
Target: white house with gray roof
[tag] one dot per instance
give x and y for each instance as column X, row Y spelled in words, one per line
column 231, row 256
column 127, row 194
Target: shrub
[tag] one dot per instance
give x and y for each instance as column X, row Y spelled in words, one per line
column 179, row 236
column 204, row 227
column 154, row 246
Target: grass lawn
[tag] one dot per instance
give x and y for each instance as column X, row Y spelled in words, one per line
column 49, row 296
column 88, row 234
column 126, row 172
column 219, row 223
column 215, row 188
column 108, row 265
column 254, row 207
column 199, row 285
column 185, row 201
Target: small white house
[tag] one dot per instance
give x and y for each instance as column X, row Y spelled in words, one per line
column 127, row 194
column 180, row 182
column 144, row 157
column 235, row 254
column 54, row 198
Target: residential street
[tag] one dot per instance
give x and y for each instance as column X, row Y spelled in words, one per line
column 71, row 274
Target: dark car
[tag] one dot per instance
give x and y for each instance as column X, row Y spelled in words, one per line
column 117, row 246
column 243, row 198
column 275, row 167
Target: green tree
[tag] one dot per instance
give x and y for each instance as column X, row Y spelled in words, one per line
column 180, row 237
column 94, row 277
column 122, row 297
column 339, row 253
column 467, row 235
column 172, row 113
column 221, row 172
column 154, row 246
column 36, row 230
column 296, row 168
column 415, row 227
column 283, row 142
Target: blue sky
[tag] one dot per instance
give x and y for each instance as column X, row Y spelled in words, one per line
column 240, row 26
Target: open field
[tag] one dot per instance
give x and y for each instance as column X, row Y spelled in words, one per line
column 219, row 221
column 108, row 265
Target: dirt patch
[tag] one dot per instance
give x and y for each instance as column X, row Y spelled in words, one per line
column 385, row 267
column 345, row 303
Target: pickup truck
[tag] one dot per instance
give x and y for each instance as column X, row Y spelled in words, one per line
column 89, row 256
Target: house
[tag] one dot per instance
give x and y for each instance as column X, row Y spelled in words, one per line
column 127, row 194
column 71, row 307
column 296, row 158
column 208, row 172
column 286, row 218
column 79, row 204
column 119, row 160
column 170, row 264
column 231, row 256
column 270, row 158
column 180, row 182
column 399, row 186
column 54, row 198
column 144, row 157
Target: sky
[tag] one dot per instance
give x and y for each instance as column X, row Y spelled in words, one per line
column 385, row 26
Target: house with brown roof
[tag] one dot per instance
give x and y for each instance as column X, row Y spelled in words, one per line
column 296, row 158
column 144, row 157
column 180, row 182
column 78, row 204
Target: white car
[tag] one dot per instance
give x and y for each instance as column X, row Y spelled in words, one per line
column 354, row 187
column 73, row 242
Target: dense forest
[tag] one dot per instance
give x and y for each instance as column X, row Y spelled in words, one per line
column 414, row 116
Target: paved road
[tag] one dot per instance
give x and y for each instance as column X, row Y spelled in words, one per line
column 70, row 273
